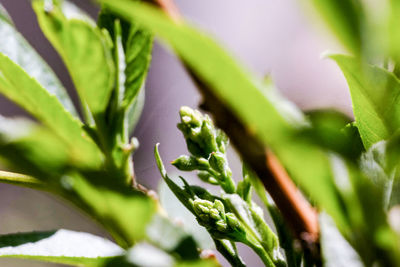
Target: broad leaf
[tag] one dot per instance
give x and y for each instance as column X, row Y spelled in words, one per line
column 335, row 250
column 146, row 255
column 18, row 86
column 345, row 19
column 375, row 95
column 172, row 238
column 61, row 246
column 125, row 213
column 18, row 50
column 29, row 148
column 85, row 51
column 261, row 111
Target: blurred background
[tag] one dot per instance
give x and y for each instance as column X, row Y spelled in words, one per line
column 281, row 38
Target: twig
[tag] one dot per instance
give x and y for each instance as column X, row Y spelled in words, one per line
column 299, row 214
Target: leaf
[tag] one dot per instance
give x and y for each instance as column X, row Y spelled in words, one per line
column 61, row 246
column 15, row 47
column 29, row 148
column 85, row 51
column 375, row 96
column 263, row 112
column 21, row 180
column 124, row 213
column 138, row 49
column 336, row 251
column 172, row 238
column 394, row 26
column 132, row 55
column 374, row 165
column 19, row 87
column 146, row 255
column 344, row 17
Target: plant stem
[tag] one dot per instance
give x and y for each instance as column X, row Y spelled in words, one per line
column 253, row 243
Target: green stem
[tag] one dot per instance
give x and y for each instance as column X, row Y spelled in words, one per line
column 253, row 243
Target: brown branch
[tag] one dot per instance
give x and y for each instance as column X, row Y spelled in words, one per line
column 298, row 213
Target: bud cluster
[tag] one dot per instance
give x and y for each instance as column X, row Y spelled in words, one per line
column 207, row 146
column 212, row 215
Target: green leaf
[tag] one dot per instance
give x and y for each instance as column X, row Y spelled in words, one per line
column 263, row 112
column 132, row 56
column 172, row 238
column 336, row 251
column 125, row 213
column 18, row 50
column 21, row 180
column 331, row 130
column 138, row 49
column 61, row 246
column 85, row 50
column 19, row 87
column 375, row 96
column 345, row 19
column 146, row 255
column 394, row 29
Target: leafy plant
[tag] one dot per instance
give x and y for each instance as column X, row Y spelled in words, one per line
column 347, row 170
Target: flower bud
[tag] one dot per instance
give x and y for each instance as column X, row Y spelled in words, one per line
column 190, row 117
column 221, row 226
column 222, row 140
column 219, row 206
column 214, row 214
column 218, row 162
column 186, row 163
column 233, row 222
column 208, row 137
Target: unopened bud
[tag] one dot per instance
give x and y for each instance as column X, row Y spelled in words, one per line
column 214, row 213
column 192, row 118
column 222, row 140
column 218, row 162
column 186, row 163
column 221, row 226
column 232, row 221
column 208, row 137
column 219, row 206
